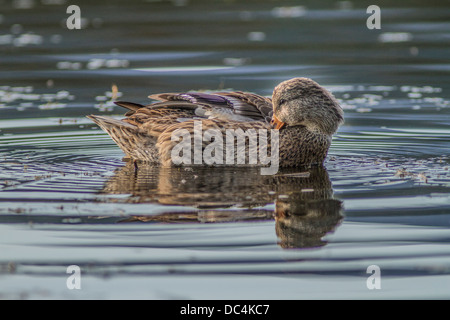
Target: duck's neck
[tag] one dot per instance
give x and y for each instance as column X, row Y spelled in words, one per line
column 302, row 147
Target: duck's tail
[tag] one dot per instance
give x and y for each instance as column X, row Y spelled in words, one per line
column 136, row 144
column 107, row 123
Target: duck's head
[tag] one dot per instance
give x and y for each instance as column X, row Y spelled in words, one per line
column 303, row 102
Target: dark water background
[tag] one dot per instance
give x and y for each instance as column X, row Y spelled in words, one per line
column 66, row 197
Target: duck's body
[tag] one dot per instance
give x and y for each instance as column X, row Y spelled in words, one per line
column 305, row 117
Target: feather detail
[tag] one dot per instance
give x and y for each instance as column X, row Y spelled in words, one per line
column 307, row 114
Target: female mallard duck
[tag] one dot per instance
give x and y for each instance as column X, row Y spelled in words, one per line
column 304, row 114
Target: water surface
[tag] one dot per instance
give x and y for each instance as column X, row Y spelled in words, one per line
column 67, row 198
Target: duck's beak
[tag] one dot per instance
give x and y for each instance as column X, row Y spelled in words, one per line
column 276, row 123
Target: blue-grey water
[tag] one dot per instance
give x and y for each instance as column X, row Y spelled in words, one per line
column 67, row 198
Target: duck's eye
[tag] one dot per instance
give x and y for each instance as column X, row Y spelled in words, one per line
column 282, row 101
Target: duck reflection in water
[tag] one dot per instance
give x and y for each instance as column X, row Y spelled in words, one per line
column 305, row 209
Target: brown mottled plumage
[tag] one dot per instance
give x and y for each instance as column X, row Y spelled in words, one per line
column 305, row 113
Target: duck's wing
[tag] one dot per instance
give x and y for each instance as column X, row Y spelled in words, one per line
column 232, row 106
column 143, row 125
column 250, row 104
